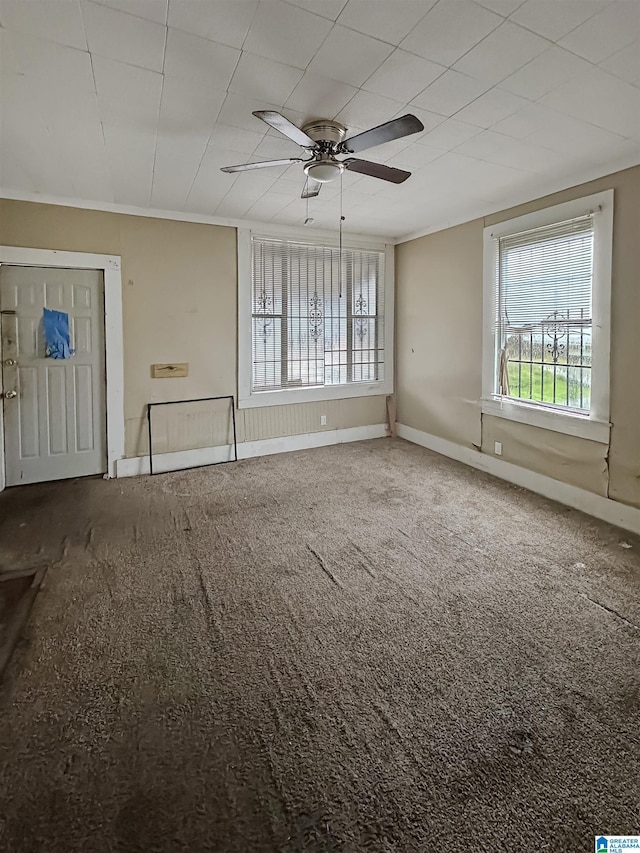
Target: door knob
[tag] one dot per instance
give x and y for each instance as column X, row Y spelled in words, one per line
column 9, row 395
column 9, row 362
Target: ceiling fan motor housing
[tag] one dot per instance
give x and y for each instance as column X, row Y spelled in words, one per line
column 324, row 130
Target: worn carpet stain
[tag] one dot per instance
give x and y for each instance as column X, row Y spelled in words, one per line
column 365, row 647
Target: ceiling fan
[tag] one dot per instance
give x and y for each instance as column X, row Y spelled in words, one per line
column 325, row 141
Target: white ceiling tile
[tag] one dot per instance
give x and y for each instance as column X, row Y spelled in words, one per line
column 9, row 63
column 501, row 7
column 204, row 62
column 617, row 26
column 13, row 175
column 514, row 153
column 491, row 108
column 326, row 8
column 449, row 134
column 176, row 164
column 543, row 126
column 449, row 30
column 553, row 19
column 501, row 53
column 403, row 76
column 257, row 77
column 150, row 10
column 60, row 22
column 286, row 33
column 187, row 109
column 237, row 111
column 235, row 206
column 235, row 138
column 130, row 155
column 211, row 185
column 349, row 57
column 598, row 98
column 123, row 37
column 320, row 97
column 625, row 64
column 450, row 92
column 548, row 71
column 412, row 157
column 224, row 21
column 530, row 118
column 390, row 22
column 52, row 62
column 127, row 95
column 368, row 110
column 277, row 148
column 267, row 206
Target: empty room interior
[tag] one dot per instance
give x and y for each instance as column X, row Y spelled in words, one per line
column 320, row 426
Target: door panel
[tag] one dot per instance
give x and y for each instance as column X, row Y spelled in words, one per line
column 55, row 427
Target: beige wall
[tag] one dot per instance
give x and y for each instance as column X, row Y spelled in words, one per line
column 179, row 290
column 439, row 350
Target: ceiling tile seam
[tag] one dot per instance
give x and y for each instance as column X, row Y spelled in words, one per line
column 450, row 67
column 555, row 43
column 127, row 12
column 95, row 92
column 445, row 68
column 495, row 12
column 501, row 163
column 317, row 14
column 155, row 146
column 584, row 120
column 120, row 11
column 204, row 152
column 104, row 141
column 246, row 35
column 513, row 24
column 312, row 12
column 377, row 38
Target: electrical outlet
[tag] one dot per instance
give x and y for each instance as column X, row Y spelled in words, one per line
column 323, row 420
column 497, row 448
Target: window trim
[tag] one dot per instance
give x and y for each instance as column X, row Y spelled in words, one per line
column 594, row 425
column 286, row 396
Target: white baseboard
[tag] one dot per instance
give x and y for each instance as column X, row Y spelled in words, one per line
column 621, row 515
column 163, row 462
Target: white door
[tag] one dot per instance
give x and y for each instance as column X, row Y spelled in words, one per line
column 55, row 423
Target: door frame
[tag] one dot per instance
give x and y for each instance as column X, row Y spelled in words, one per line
column 109, row 266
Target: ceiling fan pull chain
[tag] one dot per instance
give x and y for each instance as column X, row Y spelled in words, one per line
column 341, row 221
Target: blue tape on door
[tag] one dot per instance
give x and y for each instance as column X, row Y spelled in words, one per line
column 56, row 334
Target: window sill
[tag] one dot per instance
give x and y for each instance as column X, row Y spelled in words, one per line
column 569, row 423
column 288, row 396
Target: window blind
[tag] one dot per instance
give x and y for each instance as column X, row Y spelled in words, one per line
column 544, row 313
column 317, row 315
column 546, row 271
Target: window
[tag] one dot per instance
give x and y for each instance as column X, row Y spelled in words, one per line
column 547, row 287
column 318, row 322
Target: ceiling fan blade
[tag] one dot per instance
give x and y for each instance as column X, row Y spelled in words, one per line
column 311, row 188
column 245, row 167
column 286, row 127
column 399, row 127
column 376, row 170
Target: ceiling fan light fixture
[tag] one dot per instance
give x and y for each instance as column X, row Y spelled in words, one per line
column 323, row 171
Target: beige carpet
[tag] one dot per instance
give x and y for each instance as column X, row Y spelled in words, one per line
column 365, row 647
